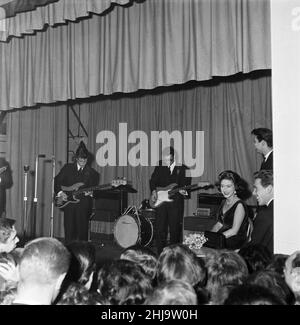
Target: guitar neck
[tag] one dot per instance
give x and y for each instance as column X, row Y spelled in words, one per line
column 187, row 187
column 93, row 188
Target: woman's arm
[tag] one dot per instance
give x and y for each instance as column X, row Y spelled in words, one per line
column 217, row 227
column 238, row 218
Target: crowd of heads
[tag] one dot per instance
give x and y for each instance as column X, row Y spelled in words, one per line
column 46, row 271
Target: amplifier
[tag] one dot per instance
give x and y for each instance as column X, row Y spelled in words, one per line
column 208, row 205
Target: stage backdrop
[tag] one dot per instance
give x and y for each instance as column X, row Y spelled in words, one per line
column 225, row 109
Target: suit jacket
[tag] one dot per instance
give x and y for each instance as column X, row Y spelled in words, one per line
column 268, row 164
column 6, row 182
column 161, row 177
column 263, row 227
column 69, row 175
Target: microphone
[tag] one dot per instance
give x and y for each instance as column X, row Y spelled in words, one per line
column 42, row 156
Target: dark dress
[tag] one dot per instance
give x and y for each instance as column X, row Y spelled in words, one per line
column 238, row 240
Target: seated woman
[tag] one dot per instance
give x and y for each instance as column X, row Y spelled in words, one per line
column 232, row 217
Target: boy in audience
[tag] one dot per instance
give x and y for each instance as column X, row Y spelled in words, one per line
column 43, row 266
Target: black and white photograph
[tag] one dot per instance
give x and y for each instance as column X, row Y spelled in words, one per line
column 149, row 155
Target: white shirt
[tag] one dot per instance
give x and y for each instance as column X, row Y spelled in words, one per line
column 268, row 154
column 269, row 202
column 172, row 166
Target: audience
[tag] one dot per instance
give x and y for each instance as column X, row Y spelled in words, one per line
column 178, row 262
column 78, row 294
column 174, row 292
column 226, row 268
column 143, row 256
column 43, row 267
column 256, row 256
column 8, row 235
column 275, row 283
column 122, row 282
column 248, row 294
column 292, row 274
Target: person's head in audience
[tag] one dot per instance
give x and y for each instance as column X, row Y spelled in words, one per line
column 78, row 294
column 143, row 256
column 263, row 187
column 274, row 282
column 277, row 264
column 43, row 266
column 123, row 282
column 230, row 184
column 9, row 272
column 256, row 256
column 178, row 262
column 8, row 235
column 8, row 295
column 292, row 274
column 251, row 294
column 263, row 140
column 223, row 269
column 174, row 292
column 83, row 263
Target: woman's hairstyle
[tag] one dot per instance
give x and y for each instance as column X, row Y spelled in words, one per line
column 174, row 292
column 241, row 186
column 225, row 268
column 178, row 262
column 122, row 282
column 83, row 261
column 275, row 283
column 143, row 256
column 257, row 257
column 277, row 264
column 77, row 294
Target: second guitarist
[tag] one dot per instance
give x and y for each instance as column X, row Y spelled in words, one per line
column 169, row 214
column 76, row 216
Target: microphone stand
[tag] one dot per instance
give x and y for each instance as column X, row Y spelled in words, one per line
column 26, row 170
column 52, row 202
column 35, row 200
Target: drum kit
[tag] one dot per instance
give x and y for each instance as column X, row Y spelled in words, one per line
column 135, row 227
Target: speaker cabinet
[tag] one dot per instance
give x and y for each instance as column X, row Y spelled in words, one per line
column 205, row 216
column 108, row 207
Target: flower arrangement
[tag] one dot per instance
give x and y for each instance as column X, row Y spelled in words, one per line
column 195, row 241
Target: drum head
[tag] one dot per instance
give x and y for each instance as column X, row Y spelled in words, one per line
column 126, row 231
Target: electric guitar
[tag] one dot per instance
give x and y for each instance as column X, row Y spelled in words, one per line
column 74, row 191
column 164, row 194
column 3, row 169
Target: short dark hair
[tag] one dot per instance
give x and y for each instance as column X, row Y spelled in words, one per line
column 82, row 151
column 252, row 294
column 6, row 228
column 264, row 134
column 265, row 176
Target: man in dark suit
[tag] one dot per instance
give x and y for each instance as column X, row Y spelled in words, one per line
column 263, row 223
column 263, row 142
column 5, row 183
column 76, row 215
column 169, row 214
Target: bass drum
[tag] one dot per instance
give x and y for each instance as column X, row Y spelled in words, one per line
column 132, row 230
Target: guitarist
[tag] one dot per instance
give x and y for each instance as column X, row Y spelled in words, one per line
column 76, row 215
column 5, row 183
column 169, row 214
